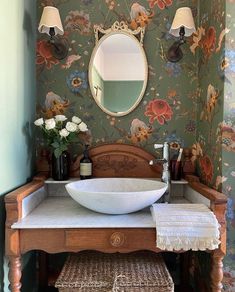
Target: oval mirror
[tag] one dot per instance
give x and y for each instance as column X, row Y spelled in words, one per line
column 118, row 72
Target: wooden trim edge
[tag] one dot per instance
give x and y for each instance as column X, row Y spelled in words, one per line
column 213, row 195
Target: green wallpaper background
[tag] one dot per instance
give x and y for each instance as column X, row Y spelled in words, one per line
column 171, row 90
column 189, row 104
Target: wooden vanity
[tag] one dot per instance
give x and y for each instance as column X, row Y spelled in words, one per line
column 109, row 161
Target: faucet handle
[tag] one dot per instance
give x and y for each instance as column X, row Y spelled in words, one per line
column 158, row 146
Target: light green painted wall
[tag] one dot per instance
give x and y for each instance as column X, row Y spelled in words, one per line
column 17, row 104
column 121, row 95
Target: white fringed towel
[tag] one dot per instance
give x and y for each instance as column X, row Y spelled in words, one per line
column 185, row 226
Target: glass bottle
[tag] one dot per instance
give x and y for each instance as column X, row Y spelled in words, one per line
column 85, row 165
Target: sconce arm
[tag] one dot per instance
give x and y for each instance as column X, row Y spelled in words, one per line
column 174, row 53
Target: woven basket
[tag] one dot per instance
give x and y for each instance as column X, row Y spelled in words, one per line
column 99, row 272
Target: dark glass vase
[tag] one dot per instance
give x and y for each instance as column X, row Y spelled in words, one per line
column 60, row 166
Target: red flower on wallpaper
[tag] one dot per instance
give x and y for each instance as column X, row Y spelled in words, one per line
column 162, row 4
column 209, row 41
column 207, row 168
column 44, row 55
column 158, row 109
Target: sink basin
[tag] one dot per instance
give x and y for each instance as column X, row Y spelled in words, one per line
column 116, row 195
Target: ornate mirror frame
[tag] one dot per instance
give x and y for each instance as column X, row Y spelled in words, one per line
column 138, row 36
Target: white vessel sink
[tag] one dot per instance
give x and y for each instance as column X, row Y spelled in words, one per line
column 116, row 195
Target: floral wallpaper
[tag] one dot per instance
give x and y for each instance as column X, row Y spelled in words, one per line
column 226, row 130
column 190, row 103
column 168, row 109
column 214, row 147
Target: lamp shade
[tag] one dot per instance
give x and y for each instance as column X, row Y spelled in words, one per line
column 50, row 19
column 183, row 17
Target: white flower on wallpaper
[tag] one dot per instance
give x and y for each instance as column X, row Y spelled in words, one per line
column 51, row 97
column 211, row 102
column 139, row 131
column 70, row 60
column 78, row 21
column 54, row 105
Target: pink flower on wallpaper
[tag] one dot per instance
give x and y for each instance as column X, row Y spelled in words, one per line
column 160, row 3
column 44, row 55
column 207, row 168
column 158, row 109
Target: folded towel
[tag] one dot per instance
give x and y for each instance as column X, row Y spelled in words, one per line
column 185, row 226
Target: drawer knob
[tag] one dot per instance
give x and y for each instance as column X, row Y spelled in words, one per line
column 117, row 239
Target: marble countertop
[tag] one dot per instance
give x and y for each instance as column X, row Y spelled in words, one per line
column 64, row 212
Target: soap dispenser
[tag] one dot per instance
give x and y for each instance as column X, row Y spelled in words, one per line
column 85, row 164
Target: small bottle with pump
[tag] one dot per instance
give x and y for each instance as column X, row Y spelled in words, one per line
column 85, row 165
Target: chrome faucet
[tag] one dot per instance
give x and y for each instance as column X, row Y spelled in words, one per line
column 165, row 160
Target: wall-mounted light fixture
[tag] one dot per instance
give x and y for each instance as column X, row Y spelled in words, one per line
column 50, row 24
column 182, row 25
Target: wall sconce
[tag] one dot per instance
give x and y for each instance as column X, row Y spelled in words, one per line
column 50, row 24
column 182, row 25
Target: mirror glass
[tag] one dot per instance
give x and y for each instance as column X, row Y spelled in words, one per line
column 118, row 73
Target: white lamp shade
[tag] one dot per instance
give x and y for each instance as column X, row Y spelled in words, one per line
column 183, row 17
column 50, row 19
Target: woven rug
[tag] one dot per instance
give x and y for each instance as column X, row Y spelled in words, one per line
column 99, row 272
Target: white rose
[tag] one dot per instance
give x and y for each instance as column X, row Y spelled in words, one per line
column 71, row 127
column 64, row 133
column 39, row 122
column 50, row 124
column 76, row 120
column 83, row 127
column 60, row 118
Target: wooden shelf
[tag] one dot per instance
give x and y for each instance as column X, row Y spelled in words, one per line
column 52, row 181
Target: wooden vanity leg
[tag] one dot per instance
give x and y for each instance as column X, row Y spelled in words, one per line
column 14, row 273
column 216, row 272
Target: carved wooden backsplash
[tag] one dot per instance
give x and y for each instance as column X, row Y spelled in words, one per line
column 120, row 160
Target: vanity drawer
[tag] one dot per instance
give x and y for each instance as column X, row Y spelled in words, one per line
column 111, row 239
